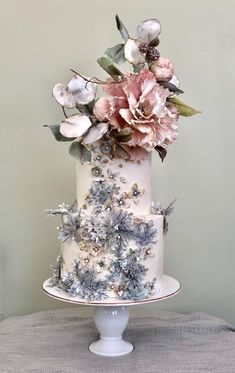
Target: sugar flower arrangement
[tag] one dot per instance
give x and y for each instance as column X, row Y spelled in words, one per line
column 140, row 110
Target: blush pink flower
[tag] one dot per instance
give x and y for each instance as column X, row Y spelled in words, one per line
column 139, row 103
column 162, row 69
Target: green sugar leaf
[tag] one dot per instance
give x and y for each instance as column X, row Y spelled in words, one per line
column 182, row 108
column 55, row 129
column 109, row 67
column 116, row 53
column 122, row 29
column 80, row 152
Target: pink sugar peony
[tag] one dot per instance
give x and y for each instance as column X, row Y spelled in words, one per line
column 139, row 103
column 162, row 69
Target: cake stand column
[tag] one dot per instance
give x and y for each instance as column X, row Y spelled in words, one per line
column 111, row 322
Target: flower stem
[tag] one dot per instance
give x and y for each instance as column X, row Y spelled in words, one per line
column 66, row 116
column 96, row 80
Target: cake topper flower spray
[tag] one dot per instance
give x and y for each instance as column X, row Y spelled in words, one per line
column 140, row 110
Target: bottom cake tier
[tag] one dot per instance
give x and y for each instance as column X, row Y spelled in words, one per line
column 121, row 257
column 169, row 287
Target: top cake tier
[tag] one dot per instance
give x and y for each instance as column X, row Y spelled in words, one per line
column 132, row 181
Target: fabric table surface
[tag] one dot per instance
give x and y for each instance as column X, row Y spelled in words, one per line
column 57, row 342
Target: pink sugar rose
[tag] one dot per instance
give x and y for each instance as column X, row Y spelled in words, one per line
column 139, row 103
column 162, row 69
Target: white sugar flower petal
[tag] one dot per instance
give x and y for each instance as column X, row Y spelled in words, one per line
column 148, row 30
column 82, row 91
column 175, row 80
column 132, row 53
column 75, row 126
column 63, row 96
column 95, row 133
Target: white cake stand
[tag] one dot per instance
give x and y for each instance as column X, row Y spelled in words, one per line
column 112, row 315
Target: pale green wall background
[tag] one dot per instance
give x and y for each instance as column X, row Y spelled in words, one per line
column 40, row 41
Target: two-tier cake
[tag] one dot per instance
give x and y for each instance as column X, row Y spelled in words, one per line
column 112, row 237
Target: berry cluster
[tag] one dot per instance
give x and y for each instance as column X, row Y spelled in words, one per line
column 152, row 53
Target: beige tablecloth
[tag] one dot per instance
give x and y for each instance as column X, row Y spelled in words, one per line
column 57, row 342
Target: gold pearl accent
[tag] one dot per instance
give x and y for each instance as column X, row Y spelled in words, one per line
column 96, row 171
column 120, row 290
column 82, row 245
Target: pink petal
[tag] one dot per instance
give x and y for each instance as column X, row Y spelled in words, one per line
column 102, row 108
column 137, row 153
column 126, row 115
column 113, row 89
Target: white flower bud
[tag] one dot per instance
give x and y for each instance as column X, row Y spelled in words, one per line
column 148, row 30
column 132, row 53
column 78, row 91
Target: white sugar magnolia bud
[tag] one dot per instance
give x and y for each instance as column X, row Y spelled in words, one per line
column 63, row 97
column 132, row 53
column 77, row 91
column 75, row 126
column 95, row 133
column 83, row 91
column 148, row 30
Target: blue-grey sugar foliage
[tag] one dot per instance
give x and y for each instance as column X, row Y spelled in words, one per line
column 99, row 192
column 145, row 233
column 159, row 210
column 113, row 228
column 84, row 283
column 56, row 270
column 129, row 271
column 68, row 229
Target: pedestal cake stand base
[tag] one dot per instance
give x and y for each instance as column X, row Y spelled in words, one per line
column 111, row 323
column 112, row 315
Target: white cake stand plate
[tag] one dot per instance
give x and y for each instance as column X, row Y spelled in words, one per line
column 112, row 315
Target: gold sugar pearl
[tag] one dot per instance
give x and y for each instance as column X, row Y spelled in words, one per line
column 120, row 290
column 96, row 171
column 96, row 250
column 82, row 245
